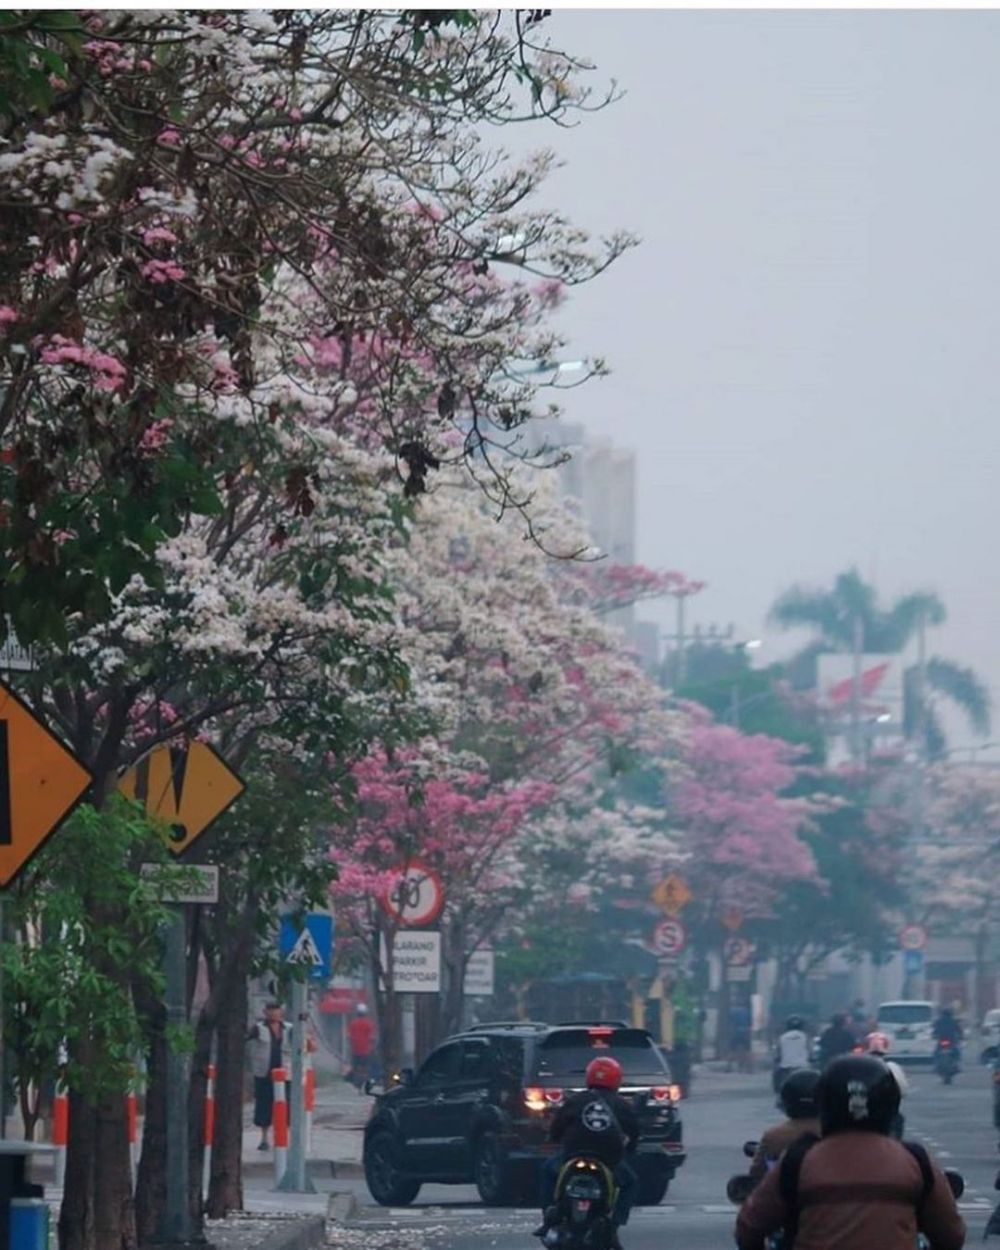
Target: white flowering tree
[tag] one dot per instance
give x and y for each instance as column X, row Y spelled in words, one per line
column 249, row 305
column 531, row 700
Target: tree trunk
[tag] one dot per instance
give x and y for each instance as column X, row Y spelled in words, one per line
column 151, row 1181
column 226, row 1184
column 97, row 1211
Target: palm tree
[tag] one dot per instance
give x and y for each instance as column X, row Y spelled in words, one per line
column 849, row 616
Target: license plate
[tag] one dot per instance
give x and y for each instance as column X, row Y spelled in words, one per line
column 904, row 1033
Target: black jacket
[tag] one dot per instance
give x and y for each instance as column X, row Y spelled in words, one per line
column 582, row 1128
column 833, row 1041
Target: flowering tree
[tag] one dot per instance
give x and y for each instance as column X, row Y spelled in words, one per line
column 204, row 184
column 533, row 702
column 248, row 307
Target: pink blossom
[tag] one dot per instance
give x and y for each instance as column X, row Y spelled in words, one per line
column 8, row 315
column 107, row 372
column 154, row 437
column 158, row 234
column 162, row 271
column 169, row 137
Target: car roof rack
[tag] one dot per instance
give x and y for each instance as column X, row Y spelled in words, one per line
column 592, row 1024
column 487, row 1025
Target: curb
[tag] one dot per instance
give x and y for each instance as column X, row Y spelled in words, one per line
column 318, row 1169
column 304, row 1234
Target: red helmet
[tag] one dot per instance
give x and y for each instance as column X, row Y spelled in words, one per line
column 604, row 1073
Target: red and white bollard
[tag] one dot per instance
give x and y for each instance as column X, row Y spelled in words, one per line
column 279, row 1124
column 310, row 1099
column 60, row 1131
column 209, row 1129
column 132, row 1120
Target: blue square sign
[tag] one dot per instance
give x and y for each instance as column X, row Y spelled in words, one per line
column 310, row 944
column 913, row 962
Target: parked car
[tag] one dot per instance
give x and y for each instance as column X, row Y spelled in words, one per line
column 990, row 1027
column 478, row 1110
column 909, row 1025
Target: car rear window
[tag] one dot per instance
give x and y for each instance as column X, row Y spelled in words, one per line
column 905, row 1013
column 568, row 1052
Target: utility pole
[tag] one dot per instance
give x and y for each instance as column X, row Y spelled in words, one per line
column 857, row 647
column 679, row 594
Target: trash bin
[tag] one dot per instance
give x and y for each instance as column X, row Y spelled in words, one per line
column 29, row 1224
column 24, row 1213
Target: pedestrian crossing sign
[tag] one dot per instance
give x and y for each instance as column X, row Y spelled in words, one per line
column 308, row 943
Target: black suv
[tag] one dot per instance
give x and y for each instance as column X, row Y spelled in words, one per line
column 480, row 1106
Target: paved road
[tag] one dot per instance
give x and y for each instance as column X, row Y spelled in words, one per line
column 954, row 1122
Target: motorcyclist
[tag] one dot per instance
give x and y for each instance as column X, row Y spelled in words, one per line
column 598, row 1123
column 792, row 1050
column 798, row 1099
column 948, row 1029
column 836, row 1039
column 878, row 1044
column 855, row 1186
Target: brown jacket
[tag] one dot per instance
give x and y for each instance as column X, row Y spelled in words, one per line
column 776, row 1141
column 857, row 1191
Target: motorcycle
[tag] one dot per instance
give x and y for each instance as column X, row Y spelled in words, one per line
column 946, row 1060
column 739, row 1188
column 584, row 1202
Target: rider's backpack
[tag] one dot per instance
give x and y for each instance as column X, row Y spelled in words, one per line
column 791, row 1166
column 597, row 1128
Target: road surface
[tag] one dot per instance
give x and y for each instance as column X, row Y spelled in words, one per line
column 954, row 1122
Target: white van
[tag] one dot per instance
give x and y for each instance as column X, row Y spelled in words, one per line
column 908, row 1024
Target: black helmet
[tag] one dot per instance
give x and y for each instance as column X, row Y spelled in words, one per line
column 798, row 1094
column 857, row 1092
column 795, row 1022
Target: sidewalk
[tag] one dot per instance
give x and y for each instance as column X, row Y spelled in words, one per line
column 338, row 1121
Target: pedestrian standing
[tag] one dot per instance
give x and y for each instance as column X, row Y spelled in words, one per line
column 361, row 1039
column 740, row 1022
column 270, row 1046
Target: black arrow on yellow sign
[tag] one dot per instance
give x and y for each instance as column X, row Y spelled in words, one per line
column 186, row 787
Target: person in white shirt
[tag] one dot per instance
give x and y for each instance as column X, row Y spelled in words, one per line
column 792, row 1051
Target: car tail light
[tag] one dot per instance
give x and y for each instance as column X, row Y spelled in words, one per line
column 665, row 1093
column 534, row 1099
column 944, row 1044
column 601, row 1030
column 553, row 1097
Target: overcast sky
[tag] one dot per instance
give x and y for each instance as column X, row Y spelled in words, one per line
column 806, row 347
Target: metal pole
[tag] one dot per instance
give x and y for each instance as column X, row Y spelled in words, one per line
column 858, row 643
column 295, row 1179
column 175, row 1223
column 681, row 658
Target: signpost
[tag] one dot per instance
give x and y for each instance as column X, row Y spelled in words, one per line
column 669, row 938
column 913, row 963
column 41, row 782
column 204, row 888
column 738, row 954
column 672, row 894
column 416, row 961
column 188, row 788
column 14, row 656
column 479, row 974
column 913, row 937
column 415, row 896
column 308, row 944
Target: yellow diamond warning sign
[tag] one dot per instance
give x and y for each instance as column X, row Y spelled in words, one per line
column 41, row 781
column 185, row 787
column 672, row 894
